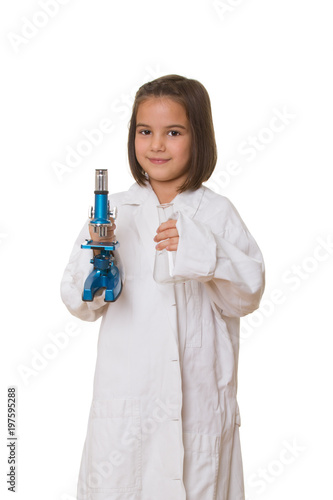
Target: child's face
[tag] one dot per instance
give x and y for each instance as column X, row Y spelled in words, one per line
column 163, row 141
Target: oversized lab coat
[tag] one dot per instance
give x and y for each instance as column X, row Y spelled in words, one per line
column 164, row 419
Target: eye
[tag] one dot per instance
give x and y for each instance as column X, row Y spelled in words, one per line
column 173, row 133
column 144, row 132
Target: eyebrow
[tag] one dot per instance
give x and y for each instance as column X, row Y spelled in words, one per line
column 168, row 126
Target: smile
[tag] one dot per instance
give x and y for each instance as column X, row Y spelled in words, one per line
column 157, row 161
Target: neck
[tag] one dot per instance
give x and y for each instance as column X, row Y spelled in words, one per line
column 164, row 192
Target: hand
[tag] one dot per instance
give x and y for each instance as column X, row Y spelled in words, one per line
column 167, row 235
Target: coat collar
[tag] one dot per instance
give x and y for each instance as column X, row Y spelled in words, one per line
column 189, row 201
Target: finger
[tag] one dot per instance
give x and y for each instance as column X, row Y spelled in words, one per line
column 166, row 225
column 172, row 248
column 169, row 233
column 170, row 244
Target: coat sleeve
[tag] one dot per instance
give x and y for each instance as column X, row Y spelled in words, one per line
column 72, row 283
column 229, row 263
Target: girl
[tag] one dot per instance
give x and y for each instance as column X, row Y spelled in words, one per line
column 164, row 420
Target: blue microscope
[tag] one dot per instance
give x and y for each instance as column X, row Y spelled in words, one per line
column 105, row 273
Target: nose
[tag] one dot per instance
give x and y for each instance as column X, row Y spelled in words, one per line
column 157, row 143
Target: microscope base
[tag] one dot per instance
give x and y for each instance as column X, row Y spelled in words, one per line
column 104, row 275
column 98, row 279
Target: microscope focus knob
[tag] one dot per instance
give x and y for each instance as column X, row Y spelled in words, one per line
column 91, row 212
column 113, row 213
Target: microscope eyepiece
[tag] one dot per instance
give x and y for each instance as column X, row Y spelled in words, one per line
column 101, row 181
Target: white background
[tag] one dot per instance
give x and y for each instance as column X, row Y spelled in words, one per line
column 62, row 74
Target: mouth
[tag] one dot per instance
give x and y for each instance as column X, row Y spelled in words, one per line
column 158, row 161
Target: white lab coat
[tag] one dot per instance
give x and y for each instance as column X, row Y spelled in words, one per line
column 164, row 420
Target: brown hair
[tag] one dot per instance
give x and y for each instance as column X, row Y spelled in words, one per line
column 195, row 99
